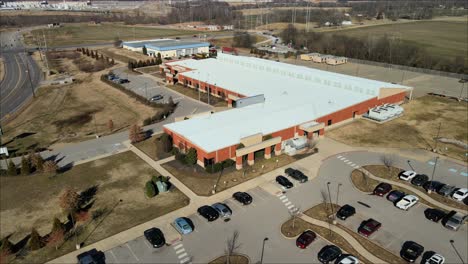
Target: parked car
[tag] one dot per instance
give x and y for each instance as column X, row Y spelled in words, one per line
column 155, row 236
column 434, row 214
column 453, row 220
column 242, row 197
column 92, row 256
column 183, row 226
column 122, row 81
column 111, row 76
column 156, row 98
column 433, row 186
column 446, row 190
column 368, row 227
column 347, row 259
column 345, row 211
column 435, row 259
column 411, row 250
column 305, row 239
column 460, row 194
column 328, row 253
column 284, row 182
column 407, row 202
column 382, row 189
column 296, row 174
column 395, row 196
column 208, row 212
column 407, row 175
column 420, row 179
column 222, row 209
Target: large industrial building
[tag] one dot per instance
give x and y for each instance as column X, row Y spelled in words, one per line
column 276, row 106
column 168, row 47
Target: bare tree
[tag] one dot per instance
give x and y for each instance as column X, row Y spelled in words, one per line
column 388, row 161
column 294, row 214
column 232, row 245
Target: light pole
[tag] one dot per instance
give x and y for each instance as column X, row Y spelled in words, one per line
column 337, row 195
column 456, row 251
column 263, row 249
column 409, row 163
column 429, row 190
column 146, row 90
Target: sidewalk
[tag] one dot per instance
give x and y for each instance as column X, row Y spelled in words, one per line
column 349, row 238
column 416, row 191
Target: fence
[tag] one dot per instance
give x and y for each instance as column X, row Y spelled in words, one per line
column 408, row 68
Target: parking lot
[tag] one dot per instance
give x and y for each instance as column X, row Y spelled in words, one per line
column 269, row 209
column 148, row 87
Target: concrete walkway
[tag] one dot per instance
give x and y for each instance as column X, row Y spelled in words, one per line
column 349, row 238
column 416, row 191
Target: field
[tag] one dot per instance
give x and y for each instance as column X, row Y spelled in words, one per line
column 444, row 39
column 106, row 32
column 417, row 128
column 123, row 55
column 104, row 181
column 71, row 113
column 227, row 42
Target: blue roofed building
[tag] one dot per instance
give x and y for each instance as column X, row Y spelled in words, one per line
column 168, row 47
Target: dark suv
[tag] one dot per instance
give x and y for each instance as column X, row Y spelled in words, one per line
column 243, row 197
column 92, row 256
column 410, row 251
column 345, row 211
column 328, row 253
column 296, row 174
column 208, row 212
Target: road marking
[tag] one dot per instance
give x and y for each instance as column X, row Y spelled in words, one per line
column 280, row 194
column 283, row 197
column 464, row 174
column 177, row 246
column 453, row 170
column 288, row 203
column 285, row 200
column 349, row 162
column 113, row 255
column 339, row 156
column 185, row 260
column 345, row 160
column 182, row 255
column 291, row 206
column 180, row 251
column 352, row 164
column 342, row 158
column 431, row 163
column 131, row 251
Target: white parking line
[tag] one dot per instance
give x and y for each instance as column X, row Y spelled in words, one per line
column 131, row 251
column 180, row 251
column 113, row 255
column 288, row 203
column 182, row 255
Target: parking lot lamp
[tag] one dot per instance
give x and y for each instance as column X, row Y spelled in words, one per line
column 263, row 249
column 337, row 195
column 429, row 190
column 456, row 251
column 409, row 163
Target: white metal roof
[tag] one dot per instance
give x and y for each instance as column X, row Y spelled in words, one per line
column 294, row 95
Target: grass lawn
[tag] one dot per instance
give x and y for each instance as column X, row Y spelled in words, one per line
column 235, row 259
column 321, row 211
column 123, row 55
column 71, row 113
column 149, row 147
column 444, row 39
column 192, row 93
column 201, row 182
column 121, row 176
column 392, row 174
column 83, row 33
column 301, row 225
column 417, row 128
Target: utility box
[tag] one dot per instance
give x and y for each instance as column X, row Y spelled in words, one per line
column 162, row 186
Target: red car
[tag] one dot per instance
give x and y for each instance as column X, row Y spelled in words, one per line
column 305, row 239
column 382, row 189
column 368, row 227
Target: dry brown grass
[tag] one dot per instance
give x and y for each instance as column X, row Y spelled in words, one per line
column 235, row 259
column 2, row 69
column 301, row 225
column 123, row 55
column 392, row 174
column 28, row 201
column 415, row 129
column 202, row 182
column 70, row 113
column 322, row 210
column 149, row 147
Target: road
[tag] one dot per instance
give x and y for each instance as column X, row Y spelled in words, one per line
column 22, row 75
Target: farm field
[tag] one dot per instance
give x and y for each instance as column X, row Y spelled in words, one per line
column 106, row 32
column 442, row 38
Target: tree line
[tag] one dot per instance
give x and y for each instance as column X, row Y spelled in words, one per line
column 381, row 49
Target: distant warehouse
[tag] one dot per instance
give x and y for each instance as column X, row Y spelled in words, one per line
column 277, row 106
column 168, row 47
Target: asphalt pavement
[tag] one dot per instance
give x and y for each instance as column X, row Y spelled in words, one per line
column 22, row 75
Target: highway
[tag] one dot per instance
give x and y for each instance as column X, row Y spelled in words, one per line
column 22, row 74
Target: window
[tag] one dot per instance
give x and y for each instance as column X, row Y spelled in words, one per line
column 329, row 122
